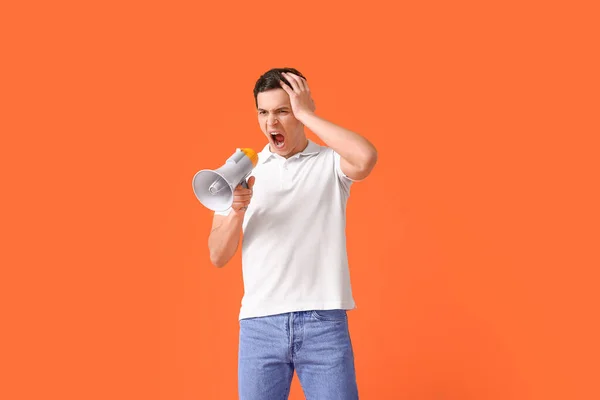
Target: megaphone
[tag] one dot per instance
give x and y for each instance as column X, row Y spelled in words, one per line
column 214, row 188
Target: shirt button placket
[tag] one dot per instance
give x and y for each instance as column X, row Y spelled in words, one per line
column 285, row 175
column 282, row 174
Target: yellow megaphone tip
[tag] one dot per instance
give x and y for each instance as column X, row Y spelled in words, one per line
column 251, row 154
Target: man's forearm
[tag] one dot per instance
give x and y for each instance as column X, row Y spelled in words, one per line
column 224, row 239
column 351, row 146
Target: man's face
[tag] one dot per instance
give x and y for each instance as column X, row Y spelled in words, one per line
column 277, row 121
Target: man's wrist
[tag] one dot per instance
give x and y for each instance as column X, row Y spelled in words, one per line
column 237, row 216
column 304, row 115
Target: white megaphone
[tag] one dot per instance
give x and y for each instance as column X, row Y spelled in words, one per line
column 214, row 188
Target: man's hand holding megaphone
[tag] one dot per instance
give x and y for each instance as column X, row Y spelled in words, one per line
column 242, row 197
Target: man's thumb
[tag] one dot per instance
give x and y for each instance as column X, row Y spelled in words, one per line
column 251, row 182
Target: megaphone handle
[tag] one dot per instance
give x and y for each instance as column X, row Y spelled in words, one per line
column 244, row 184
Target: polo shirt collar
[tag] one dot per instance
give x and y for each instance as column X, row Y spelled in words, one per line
column 312, row 148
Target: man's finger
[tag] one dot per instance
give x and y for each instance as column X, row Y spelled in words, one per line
column 300, row 82
column 244, row 197
column 239, row 204
column 285, row 87
column 292, row 80
column 241, row 191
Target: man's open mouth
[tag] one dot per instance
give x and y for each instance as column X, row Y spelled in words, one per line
column 278, row 139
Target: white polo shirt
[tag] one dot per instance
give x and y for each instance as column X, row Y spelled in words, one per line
column 294, row 242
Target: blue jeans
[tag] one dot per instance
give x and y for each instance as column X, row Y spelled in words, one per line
column 316, row 344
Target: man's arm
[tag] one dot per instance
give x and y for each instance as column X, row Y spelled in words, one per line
column 358, row 155
column 226, row 230
column 224, row 238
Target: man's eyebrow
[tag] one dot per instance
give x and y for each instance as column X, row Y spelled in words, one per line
column 278, row 108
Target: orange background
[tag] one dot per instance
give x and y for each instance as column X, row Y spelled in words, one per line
column 473, row 245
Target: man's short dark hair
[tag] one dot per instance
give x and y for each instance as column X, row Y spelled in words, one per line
column 270, row 80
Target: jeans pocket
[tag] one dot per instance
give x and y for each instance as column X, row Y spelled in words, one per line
column 330, row 315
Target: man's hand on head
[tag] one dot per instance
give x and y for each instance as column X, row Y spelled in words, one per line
column 299, row 92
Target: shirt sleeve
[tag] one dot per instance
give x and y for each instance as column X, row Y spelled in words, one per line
column 344, row 179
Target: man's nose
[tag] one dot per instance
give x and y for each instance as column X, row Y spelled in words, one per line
column 271, row 120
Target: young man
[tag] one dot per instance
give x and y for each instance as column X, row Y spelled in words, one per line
column 295, row 269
